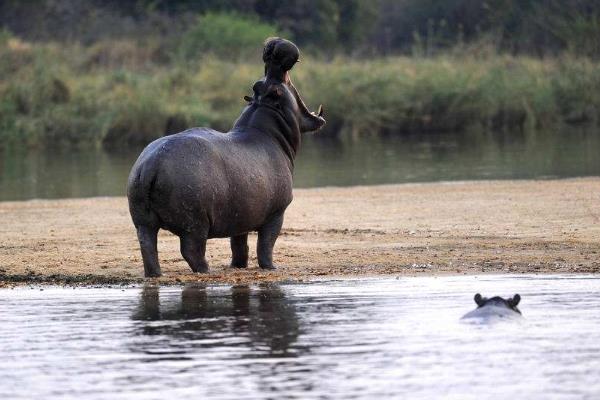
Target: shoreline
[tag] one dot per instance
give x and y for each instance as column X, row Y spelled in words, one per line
column 412, row 229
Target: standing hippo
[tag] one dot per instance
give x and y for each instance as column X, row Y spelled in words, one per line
column 495, row 307
column 202, row 184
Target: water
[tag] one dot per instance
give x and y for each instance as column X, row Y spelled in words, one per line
column 350, row 339
column 323, row 161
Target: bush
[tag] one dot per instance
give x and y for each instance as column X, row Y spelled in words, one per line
column 448, row 93
column 228, row 36
column 49, row 94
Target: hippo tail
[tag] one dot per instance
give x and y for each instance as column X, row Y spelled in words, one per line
column 140, row 186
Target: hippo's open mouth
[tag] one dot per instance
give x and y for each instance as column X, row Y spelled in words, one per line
column 303, row 108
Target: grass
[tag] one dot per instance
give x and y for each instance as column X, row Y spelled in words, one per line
column 118, row 94
column 450, row 93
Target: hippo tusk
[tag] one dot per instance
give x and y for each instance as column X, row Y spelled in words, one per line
column 320, row 111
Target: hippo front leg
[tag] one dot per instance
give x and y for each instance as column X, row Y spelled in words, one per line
column 239, row 251
column 267, row 235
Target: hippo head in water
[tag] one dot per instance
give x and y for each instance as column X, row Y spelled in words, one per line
column 498, row 301
column 495, row 306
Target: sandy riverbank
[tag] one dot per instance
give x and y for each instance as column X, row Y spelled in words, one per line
column 413, row 229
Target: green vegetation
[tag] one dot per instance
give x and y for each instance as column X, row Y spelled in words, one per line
column 102, row 94
column 453, row 92
column 225, row 35
column 115, row 73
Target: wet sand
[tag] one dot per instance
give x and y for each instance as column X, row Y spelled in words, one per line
column 550, row 226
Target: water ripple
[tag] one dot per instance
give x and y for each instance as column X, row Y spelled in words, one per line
column 345, row 339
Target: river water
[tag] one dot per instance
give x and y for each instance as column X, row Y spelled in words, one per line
column 326, row 161
column 348, row 339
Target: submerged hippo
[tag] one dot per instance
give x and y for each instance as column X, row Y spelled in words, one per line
column 495, row 307
column 202, row 184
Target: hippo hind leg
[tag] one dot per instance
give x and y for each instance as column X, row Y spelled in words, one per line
column 193, row 249
column 147, row 236
column 239, row 251
column 267, row 235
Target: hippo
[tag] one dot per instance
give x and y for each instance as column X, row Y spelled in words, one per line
column 495, row 307
column 201, row 184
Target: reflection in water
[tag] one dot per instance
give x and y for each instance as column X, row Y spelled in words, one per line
column 263, row 320
column 323, row 161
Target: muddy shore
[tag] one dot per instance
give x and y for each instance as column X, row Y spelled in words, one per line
column 550, row 226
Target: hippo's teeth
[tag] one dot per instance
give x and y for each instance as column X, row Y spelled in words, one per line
column 320, row 111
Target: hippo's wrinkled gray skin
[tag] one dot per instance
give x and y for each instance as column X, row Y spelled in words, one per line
column 202, row 184
column 495, row 307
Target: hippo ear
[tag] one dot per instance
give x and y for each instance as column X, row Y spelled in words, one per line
column 515, row 300
column 480, row 301
column 258, row 87
column 248, row 99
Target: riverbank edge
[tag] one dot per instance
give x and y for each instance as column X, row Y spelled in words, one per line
column 8, row 281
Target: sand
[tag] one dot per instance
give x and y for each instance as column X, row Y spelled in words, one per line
column 547, row 226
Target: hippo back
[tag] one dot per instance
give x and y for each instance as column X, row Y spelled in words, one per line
column 230, row 182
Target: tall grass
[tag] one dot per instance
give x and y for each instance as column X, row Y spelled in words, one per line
column 68, row 95
column 450, row 93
